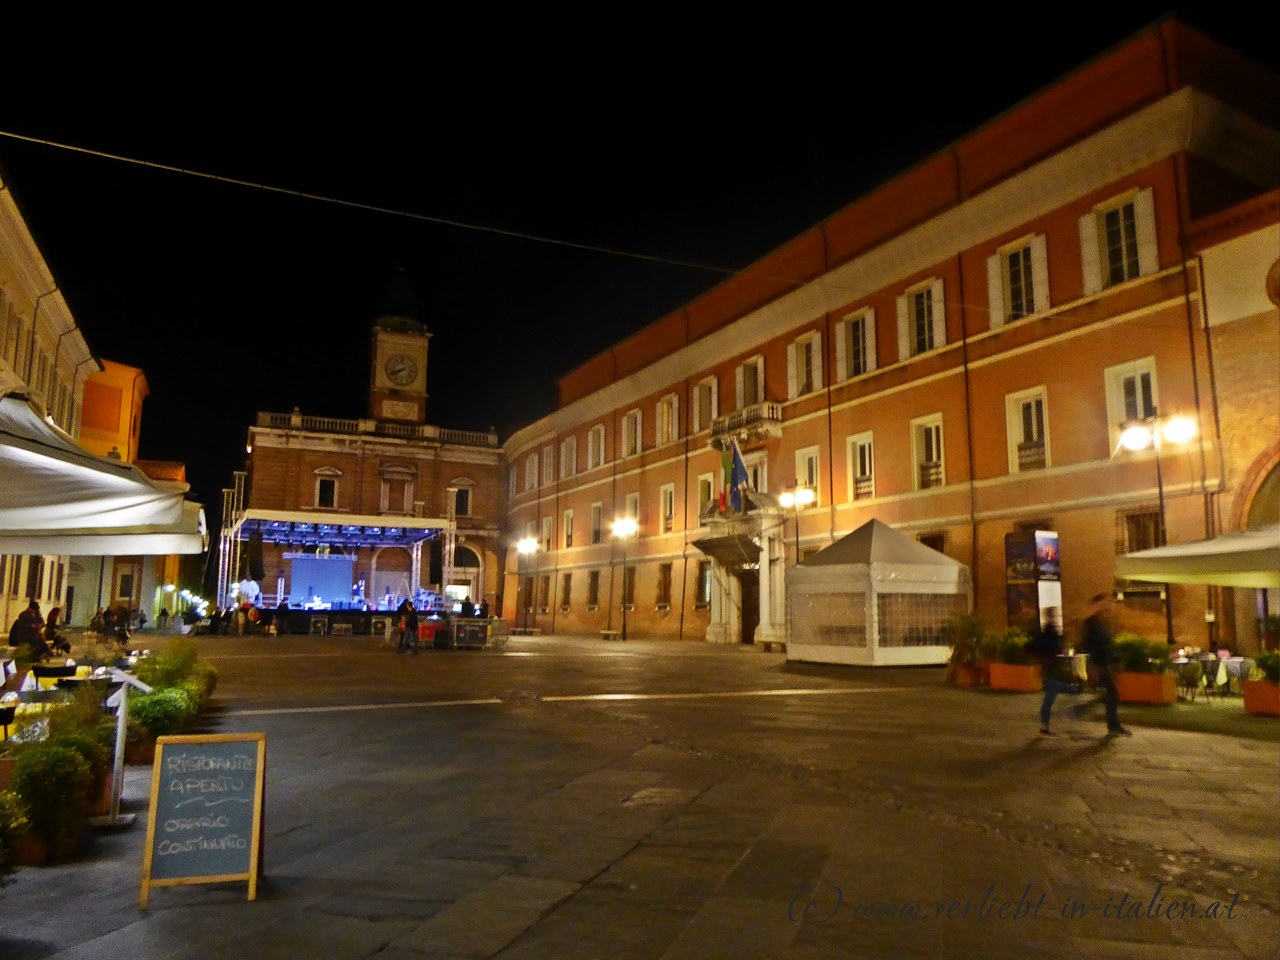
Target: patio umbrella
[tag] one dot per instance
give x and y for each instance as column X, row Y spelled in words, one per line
column 1248, row 558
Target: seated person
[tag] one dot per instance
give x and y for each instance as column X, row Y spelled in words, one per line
column 28, row 631
column 54, row 640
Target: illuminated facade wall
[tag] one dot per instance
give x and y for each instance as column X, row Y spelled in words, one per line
column 953, row 354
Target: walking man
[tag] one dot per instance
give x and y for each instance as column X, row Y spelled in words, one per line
column 408, row 627
column 1099, row 644
column 1046, row 647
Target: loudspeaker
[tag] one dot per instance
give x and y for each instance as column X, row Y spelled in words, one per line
column 435, row 566
column 256, row 571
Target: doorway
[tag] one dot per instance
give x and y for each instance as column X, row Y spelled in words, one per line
column 749, row 582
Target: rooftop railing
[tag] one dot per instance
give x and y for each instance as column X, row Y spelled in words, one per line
column 404, row 431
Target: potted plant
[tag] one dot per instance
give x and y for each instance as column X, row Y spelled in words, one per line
column 1270, row 629
column 53, row 782
column 13, row 830
column 964, row 635
column 1012, row 666
column 1142, row 671
column 1262, row 689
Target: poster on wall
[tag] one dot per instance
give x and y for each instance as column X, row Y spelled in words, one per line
column 1033, row 574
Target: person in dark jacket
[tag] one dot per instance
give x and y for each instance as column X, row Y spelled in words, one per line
column 408, row 627
column 28, row 631
column 1099, row 644
column 1046, row 647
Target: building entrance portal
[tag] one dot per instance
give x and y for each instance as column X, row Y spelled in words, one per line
column 749, row 584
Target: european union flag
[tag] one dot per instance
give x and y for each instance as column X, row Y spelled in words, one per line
column 738, row 478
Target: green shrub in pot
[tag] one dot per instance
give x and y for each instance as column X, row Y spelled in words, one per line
column 53, row 782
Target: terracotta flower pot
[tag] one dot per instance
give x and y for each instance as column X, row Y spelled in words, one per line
column 1015, row 676
column 1261, row 696
column 966, row 675
column 1146, row 687
column 32, row 851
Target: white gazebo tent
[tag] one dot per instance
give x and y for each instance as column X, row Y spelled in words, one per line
column 58, row 498
column 874, row 598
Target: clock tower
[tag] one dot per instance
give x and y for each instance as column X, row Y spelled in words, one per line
column 398, row 378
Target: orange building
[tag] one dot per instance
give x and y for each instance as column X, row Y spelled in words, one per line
column 342, row 514
column 955, row 354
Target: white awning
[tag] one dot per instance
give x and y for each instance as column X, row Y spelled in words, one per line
column 58, row 498
column 1250, row 558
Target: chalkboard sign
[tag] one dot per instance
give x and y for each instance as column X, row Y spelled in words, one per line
column 205, row 822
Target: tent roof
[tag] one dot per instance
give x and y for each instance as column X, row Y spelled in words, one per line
column 67, row 499
column 1249, row 558
column 876, row 542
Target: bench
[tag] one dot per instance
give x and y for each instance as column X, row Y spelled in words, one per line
column 610, row 634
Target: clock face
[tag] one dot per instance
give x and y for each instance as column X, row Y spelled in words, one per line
column 401, row 370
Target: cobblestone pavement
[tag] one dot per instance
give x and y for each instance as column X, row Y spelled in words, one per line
column 570, row 798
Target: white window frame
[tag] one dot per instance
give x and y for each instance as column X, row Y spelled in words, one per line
column 326, row 475
column 703, row 418
column 757, row 465
column 531, row 471
column 757, row 363
column 1114, row 383
column 937, row 327
column 595, row 447
column 566, row 531
column 1033, row 255
column 860, row 328
column 548, row 532
column 1013, row 410
column 632, row 433
column 667, row 420
column 396, row 474
column 667, row 507
column 808, row 471
column 597, row 522
column 460, row 486
column 707, row 483
column 548, row 465
column 854, row 445
column 568, row 457
column 807, row 347
column 566, row 590
column 631, row 506
column 1094, row 260
column 513, row 481
column 919, row 444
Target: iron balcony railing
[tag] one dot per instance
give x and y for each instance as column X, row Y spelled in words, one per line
column 404, row 431
column 1031, row 455
column 863, row 487
column 930, row 474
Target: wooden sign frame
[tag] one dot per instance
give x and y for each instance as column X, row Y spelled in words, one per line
column 255, row 866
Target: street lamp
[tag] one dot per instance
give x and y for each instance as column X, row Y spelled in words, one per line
column 526, row 547
column 624, row 527
column 1150, row 431
column 797, row 498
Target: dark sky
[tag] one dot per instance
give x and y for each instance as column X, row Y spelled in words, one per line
column 711, row 149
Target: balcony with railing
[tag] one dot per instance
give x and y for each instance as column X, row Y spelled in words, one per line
column 864, row 487
column 404, row 431
column 755, row 422
column 930, row 474
column 1031, row 455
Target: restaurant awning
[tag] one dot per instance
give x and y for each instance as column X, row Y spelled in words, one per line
column 58, row 498
column 735, row 550
column 1249, row 558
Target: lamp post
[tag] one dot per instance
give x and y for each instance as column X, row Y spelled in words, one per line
column 624, row 527
column 1151, row 431
column 526, row 547
column 797, row 497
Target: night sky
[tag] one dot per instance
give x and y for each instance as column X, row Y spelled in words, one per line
column 695, row 150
